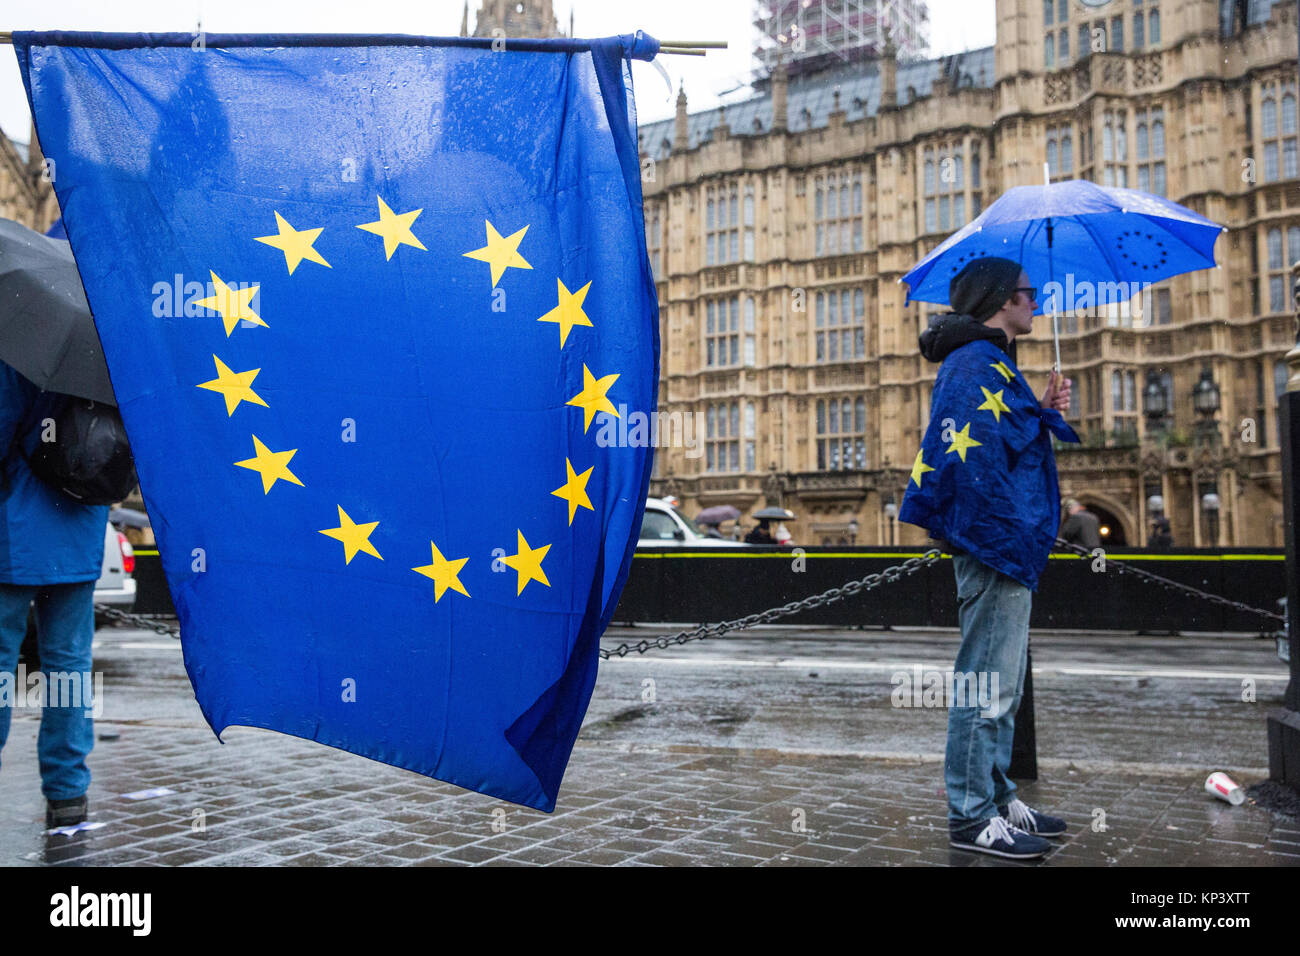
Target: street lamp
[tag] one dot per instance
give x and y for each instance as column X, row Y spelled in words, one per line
column 1205, row 399
column 891, row 512
column 853, row 531
column 1210, row 505
column 1155, row 403
column 1156, row 505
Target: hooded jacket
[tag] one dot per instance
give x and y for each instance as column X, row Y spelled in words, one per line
column 985, row 476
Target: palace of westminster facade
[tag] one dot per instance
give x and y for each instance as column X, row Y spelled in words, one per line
column 778, row 228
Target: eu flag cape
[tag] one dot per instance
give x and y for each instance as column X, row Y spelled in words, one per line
column 365, row 302
column 985, row 476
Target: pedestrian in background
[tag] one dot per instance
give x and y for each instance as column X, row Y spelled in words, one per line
column 1160, row 535
column 51, row 554
column 984, row 482
column 1081, row 526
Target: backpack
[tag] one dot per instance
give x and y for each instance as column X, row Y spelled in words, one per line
column 90, row 458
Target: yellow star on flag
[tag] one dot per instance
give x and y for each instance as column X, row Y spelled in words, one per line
column 395, row 229
column 271, row 465
column 919, row 468
column 574, row 490
column 355, row 537
column 993, row 403
column 501, row 253
column 443, row 573
column 569, row 312
column 1002, row 367
column 961, row 441
column 233, row 304
column 592, row 398
column 235, row 387
column 296, row 244
column 528, row 563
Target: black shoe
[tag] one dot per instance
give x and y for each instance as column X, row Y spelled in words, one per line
column 999, row 838
column 65, row 813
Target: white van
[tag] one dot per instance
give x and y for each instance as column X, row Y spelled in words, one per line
column 665, row 526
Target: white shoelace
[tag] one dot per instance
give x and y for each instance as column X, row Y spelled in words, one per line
column 999, row 829
column 1018, row 816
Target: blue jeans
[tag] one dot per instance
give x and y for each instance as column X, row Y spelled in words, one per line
column 993, row 611
column 65, row 628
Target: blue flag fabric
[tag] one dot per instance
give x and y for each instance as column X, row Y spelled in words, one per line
column 365, row 303
column 985, row 477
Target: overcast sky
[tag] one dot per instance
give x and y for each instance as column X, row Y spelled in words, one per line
column 955, row 25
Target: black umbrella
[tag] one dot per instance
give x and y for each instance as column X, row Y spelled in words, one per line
column 46, row 332
column 773, row 514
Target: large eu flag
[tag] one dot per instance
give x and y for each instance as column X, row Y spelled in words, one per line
column 364, row 301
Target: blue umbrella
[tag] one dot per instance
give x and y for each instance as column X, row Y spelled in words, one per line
column 1080, row 243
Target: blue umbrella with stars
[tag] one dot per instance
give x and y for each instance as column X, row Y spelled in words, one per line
column 1084, row 245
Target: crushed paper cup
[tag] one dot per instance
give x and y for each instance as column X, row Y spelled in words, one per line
column 1219, row 784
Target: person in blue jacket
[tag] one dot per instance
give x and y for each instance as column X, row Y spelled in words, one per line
column 984, row 484
column 51, row 553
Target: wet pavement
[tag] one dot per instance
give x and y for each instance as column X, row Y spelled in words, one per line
column 784, row 748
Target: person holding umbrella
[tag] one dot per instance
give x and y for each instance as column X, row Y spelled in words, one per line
column 984, row 483
column 984, row 480
column 51, row 545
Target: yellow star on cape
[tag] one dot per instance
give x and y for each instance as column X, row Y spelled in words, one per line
column 961, row 441
column 569, row 312
column 395, row 229
column 233, row 304
column 355, row 537
column 443, row 573
column 271, row 465
column 574, row 490
column 528, row 563
column 1002, row 367
column 235, row 387
column 993, row 403
column 919, row 468
column 592, row 398
column 501, row 253
column 296, row 244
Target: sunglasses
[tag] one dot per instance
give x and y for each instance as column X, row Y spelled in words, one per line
column 1033, row 292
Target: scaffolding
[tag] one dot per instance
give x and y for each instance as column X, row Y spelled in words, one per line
column 810, row 35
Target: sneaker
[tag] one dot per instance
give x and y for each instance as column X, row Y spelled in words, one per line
column 1024, row 817
column 65, row 813
column 999, row 838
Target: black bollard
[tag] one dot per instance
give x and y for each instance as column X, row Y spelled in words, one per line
column 1284, row 723
column 1024, row 745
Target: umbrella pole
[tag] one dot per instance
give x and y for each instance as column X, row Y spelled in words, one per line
column 1056, row 333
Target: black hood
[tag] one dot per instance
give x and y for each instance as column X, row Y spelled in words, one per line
column 952, row 330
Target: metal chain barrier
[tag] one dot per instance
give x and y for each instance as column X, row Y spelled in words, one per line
column 893, row 573
column 1156, row 579
column 168, row 627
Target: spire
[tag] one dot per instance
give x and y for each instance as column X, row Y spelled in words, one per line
column 889, row 75
column 780, row 86
column 681, row 140
column 464, row 20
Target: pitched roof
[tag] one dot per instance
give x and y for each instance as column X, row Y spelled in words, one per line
column 811, row 99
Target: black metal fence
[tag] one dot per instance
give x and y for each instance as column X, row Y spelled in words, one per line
column 668, row 584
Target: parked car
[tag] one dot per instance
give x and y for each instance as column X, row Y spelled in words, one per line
column 116, row 584
column 665, row 526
